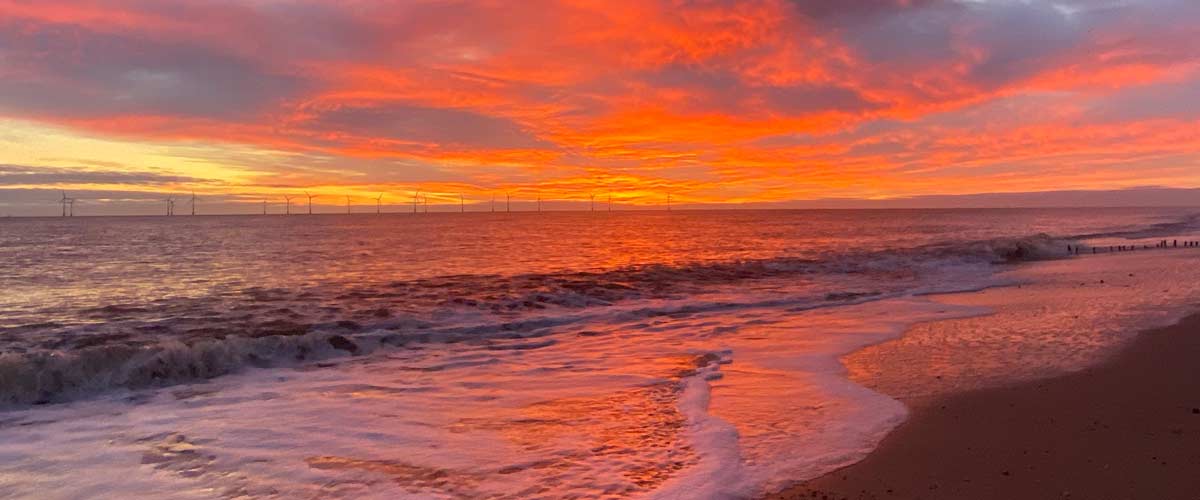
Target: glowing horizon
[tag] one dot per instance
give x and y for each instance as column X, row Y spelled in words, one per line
column 718, row 101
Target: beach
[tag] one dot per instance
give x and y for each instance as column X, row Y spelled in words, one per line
column 1127, row 428
column 428, row 370
column 626, row 250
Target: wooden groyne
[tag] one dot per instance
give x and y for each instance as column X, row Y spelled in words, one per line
column 1175, row 243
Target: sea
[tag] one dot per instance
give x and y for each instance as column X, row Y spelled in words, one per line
column 629, row 354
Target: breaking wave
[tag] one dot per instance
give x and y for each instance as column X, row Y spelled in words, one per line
column 188, row 339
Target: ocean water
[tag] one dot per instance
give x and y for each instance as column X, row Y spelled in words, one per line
column 535, row 355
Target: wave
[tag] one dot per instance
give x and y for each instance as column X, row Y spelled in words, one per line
column 188, row 339
column 1008, row 250
column 1184, row 225
column 58, row 376
column 45, row 377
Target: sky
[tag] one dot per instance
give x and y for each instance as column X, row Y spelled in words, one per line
column 122, row 103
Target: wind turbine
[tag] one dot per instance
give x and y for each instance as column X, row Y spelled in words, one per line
column 416, row 196
column 425, row 200
column 170, row 206
column 493, row 202
column 347, row 204
column 462, row 204
column 539, row 203
column 193, row 203
column 287, row 200
column 379, row 204
column 610, row 202
column 71, row 203
column 64, row 201
column 507, row 202
column 668, row 202
column 310, row 197
column 593, row 202
column 264, row 207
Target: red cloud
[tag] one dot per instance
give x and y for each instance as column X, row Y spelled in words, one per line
column 912, row 95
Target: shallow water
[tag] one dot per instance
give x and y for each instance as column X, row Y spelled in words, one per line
column 682, row 355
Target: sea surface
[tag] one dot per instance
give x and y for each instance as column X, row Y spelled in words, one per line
column 653, row 354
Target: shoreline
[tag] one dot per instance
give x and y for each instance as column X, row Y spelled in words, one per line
column 1127, row 427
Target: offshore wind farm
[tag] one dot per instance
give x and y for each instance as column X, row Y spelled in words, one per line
column 452, row 202
column 550, row 249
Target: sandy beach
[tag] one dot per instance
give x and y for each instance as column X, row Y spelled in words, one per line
column 1128, row 428
column 621, row 250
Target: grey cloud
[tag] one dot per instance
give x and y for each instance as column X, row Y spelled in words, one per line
column 1019, row 40
column 1004, row 41
column 13, row 175
column 66, row 71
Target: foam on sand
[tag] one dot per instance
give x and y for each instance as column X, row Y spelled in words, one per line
column 707, row 404
column 688, row 380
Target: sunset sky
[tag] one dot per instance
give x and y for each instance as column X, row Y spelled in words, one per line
column 123, row 102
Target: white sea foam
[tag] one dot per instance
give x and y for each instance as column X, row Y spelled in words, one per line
column 1060, row 317
column 624, row 410
column 720, row 388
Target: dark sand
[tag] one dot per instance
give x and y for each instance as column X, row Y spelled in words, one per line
column 1126, row 429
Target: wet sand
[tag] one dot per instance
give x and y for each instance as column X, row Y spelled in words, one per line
column 1128, row 428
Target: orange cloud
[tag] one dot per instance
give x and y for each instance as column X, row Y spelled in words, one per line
column 718, row 100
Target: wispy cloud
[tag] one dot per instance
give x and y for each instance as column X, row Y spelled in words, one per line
column 20, row 175
column 719, row 100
